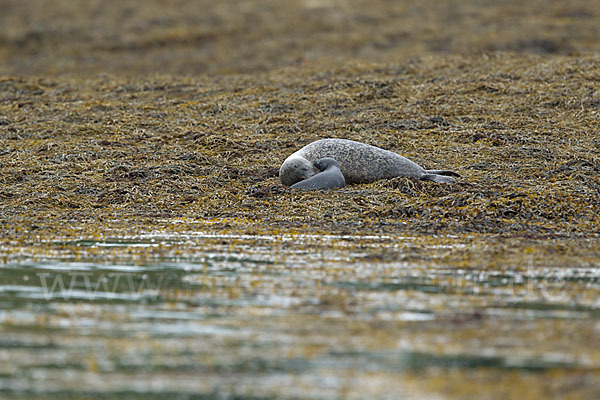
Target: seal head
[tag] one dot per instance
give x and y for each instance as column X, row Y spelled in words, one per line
column 331, row 176
column 296, row 169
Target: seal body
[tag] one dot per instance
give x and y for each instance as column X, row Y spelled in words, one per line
column 330, row 176
column 359, row 163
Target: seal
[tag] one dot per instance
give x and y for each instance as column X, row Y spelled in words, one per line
column 359, row 163
column 330, row 176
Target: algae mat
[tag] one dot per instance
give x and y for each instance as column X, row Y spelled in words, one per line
column 121, row 152
column 148, row 250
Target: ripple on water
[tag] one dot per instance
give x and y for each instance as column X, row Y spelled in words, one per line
column 281, row 308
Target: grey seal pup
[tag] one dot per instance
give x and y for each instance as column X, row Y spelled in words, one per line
column 330, row 176
column 359, row 163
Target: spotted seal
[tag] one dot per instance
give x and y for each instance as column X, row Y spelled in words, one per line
column 359, row 163
column 330, row 176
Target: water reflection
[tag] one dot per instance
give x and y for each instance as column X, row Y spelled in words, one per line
column 254, row 315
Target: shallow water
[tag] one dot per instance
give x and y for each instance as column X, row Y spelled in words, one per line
column 204, row 315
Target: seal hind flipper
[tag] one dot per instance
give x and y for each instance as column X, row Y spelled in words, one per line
column 442, row 172
column 437, row 178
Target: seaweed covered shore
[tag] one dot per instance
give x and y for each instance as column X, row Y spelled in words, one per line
column 112, row 113
column 522, row 131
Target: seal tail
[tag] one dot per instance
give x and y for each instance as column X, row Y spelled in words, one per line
column 437, row 178
column 442, row 172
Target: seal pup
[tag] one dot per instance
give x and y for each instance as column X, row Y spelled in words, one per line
column 359, row 163
column 331, row 176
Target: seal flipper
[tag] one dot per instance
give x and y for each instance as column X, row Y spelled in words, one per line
column 437, row 178
column 442, row 172
column 330, row 178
